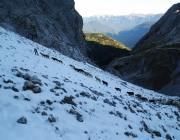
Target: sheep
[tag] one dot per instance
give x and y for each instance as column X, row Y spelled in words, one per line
column 78, row 70
column 130, row 93
column 97, row 79
column 176, row 103
column 88, row 74
column 138, row 96
column 118, row 89
column 152, row 100
column 55, row 59
column 60, row 61
column 44, row 55
column 105, row 83
column 144, row 99
column 72, row 66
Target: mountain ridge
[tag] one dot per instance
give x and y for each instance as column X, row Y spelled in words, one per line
column 164, row 32
column 120, row 23
column 131, row 37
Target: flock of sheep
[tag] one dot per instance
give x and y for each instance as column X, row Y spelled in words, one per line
column 154, row 100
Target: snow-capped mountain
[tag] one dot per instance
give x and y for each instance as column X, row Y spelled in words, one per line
column 115, row 24
column 132, row 16
column 50, row 96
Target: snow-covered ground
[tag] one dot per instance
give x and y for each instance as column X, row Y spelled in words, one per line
column 73, row 105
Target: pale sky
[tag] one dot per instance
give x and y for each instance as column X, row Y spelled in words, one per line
column 122, row 7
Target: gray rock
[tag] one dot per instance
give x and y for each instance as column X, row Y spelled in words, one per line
column 22, row 120
column 51, row 119
column 7, row 81
column 15, row 89
column 157, row 133
column 85, row 94
column 7, row 87
column 57, row 83
column 16, row 97
column 36, row 89
column 44, row 113
column 168, row 137
column 19, row 74
column 68, row 100
column 35, row 80
column 49, row 102
column 113, row 103
column 28, row 85
column 27, row 76
column 27, row 99
column 78, row 116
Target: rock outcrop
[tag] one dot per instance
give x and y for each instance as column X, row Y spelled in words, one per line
column 154, row 63
column 54, row 24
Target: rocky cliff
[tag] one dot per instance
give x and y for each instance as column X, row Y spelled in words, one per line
column 166, row 31
column 52, row 23
column 155, row 60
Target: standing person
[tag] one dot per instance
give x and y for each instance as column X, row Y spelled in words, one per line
column 35, row 51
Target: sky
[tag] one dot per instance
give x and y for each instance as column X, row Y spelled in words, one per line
column 122, row 7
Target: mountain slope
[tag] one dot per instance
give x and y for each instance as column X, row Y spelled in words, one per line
column 54, row 24
column 102, row 49
column 105, row 40
column 72, row 104
column 131, row 37
column 98, row 27
column 154, row 62
column 165, row 32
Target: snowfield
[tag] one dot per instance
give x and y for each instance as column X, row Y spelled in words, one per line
column 46, row 99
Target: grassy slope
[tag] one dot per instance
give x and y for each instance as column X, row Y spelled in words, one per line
column 105, row 40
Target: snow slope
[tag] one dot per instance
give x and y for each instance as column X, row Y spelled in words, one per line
column 81, row 107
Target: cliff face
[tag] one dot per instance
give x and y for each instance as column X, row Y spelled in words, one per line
column 166, row 31
column 155, row 60
column 52, row 23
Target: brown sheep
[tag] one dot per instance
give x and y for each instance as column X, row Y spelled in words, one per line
column 144, row 99
column 105, row 83
column 130, row 93
column 88, row 74
column 44, row 55
column 138, row 96
column 97, row 79
column 118, row 89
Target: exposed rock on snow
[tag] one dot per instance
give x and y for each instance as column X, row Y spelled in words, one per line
column 36, row 89
column 15, row 89
column 22, row 120
column 28, row 85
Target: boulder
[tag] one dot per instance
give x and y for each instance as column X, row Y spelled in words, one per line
column 15, row 89
column 34, row 79
column 44, row 113
column 22, row 120
column 36, row 89
column 28, row 85
column 27, row 76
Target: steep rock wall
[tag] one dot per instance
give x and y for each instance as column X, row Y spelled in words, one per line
column 52, row 23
